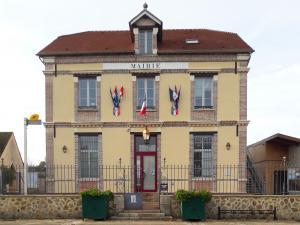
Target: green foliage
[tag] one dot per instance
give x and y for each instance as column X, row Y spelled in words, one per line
column 94, row 192
column 183, row 195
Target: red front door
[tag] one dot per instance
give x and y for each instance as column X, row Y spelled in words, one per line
column 145, row 165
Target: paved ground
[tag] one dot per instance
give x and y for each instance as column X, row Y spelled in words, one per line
column 90, row 222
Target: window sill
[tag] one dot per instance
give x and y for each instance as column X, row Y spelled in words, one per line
column 87, row 109
column 203, row 178
column 203, row 109
column 148, row 110
column 89, row 179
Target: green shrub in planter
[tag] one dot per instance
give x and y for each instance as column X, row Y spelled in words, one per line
column 95, row 203
column 193, row 203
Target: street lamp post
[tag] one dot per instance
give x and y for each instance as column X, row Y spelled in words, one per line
column 25, row 156
column 33, row 120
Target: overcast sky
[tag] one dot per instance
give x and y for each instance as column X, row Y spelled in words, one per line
column 271, row 27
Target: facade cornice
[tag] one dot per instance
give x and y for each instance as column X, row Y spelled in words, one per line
column 99, row 72
column 139, row 124
column 140, row 58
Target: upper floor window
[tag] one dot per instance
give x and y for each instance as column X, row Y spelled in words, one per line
column 145, row 42
column 202, row 155
column 145, row 90
column 88, row 155
column 87, row 92
column 203, row 92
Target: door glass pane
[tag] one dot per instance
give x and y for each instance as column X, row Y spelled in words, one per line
column 138, row 172
column 140, row 145
column 149, row 172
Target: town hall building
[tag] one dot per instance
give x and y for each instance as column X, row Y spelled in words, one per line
column 160, row 108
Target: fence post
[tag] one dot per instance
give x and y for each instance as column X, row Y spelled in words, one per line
column 124, row 186
column 284, row 170
column 1, row 188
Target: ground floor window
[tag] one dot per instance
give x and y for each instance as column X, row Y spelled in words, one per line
column 294, row 179
column 202, row 155
column 88, row 156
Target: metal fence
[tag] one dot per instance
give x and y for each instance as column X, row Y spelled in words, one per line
column 259, row 178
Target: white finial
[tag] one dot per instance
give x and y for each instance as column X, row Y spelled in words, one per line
column 145, row 6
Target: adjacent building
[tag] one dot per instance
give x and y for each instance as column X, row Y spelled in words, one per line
column 276, row 160
column 9, row 150
column 146, row 99
column 10, row 163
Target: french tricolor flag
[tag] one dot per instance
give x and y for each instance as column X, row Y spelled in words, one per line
column 143, row 109
column 121, row 91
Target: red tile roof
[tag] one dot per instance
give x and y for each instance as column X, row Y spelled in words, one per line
column 118, row 42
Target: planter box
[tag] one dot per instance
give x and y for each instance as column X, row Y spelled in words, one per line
column 94, row 207
column 193, row 209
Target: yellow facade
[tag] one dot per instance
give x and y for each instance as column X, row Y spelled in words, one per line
column 64, row 137
column 175, row 145
column 175, row 141
column 110, row 81
column 116, row 145
column 63, row 98
column 179, row 142
column 228, row 97
column 182, row 82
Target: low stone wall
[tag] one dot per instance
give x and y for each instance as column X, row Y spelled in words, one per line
column 288, row 207
column 69, row 206
column 48, row 206
column 40, row 206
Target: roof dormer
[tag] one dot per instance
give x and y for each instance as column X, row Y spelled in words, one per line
column 146, row 31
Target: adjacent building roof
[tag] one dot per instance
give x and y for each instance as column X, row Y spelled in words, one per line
column 4, row 138
column 279, row 138
column 173, row 42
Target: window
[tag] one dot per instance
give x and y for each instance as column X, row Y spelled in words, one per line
column 191, row 41
column 293, row 180
column 145, row 41
column 87, row 92
column 203, row 92
column 145, row 89
column 202, row 155
column 88, row 155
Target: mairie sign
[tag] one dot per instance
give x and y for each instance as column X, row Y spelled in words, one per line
column 145, row 66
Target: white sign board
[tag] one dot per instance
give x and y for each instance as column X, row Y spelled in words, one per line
column 145, row 66
column 133, row 198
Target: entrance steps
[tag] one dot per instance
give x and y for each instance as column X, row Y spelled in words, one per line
column 150, row 201
column 142, row 215
column 150, row 210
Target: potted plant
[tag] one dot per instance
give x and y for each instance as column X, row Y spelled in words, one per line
column 95, row 203
column 193, row 203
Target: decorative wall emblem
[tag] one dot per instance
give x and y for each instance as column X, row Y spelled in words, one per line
column 116, row 99
column 174, row 98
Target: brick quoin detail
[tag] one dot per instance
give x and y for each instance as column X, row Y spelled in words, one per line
column 243, row 96
column 49, row 98
column 50, row 157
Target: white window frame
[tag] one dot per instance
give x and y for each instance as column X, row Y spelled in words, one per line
column 145, row 88
column 89, row 151
column 147, row 35
column 208, row 171
column 204, row 78
column 88, row 105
